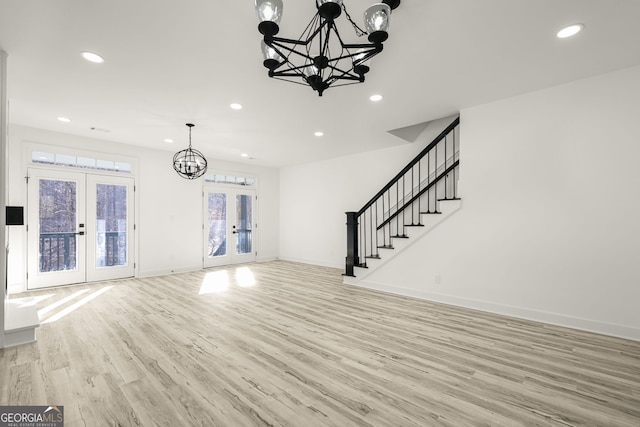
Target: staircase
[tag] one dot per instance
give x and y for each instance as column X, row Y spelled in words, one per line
column 414, row 202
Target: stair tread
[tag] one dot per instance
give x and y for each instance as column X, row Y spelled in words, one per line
column 373, row 256
column 452, row 198
column 398, row 236
column 431, row 213
column 414, row 225
column 385, row 247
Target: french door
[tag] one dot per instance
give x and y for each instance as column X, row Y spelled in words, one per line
column 229, row 236
column 80, row 228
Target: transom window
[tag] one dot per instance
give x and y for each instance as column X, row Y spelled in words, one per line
column 229, row 179
column 60, row 159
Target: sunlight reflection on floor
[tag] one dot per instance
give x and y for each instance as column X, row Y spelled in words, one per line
column 216, row 282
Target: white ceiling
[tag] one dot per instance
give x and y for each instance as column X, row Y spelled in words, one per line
column 173, row 62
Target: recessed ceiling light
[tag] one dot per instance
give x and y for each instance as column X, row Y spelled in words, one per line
column 375, row 98
column 236, row 106
column 318, row 133
column 569, row 31
column 169, row 141
column 92, row 57
column 64, row 119
column 244, row 155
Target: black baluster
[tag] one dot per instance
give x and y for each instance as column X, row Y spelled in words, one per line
column 397, row 207
column 364, row 237
column 375, row 228
column 419, row 188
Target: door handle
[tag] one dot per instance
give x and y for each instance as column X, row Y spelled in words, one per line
column 81, row 233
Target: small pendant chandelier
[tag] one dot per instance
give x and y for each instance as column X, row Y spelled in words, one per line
column 320, row 58
column 189, row 163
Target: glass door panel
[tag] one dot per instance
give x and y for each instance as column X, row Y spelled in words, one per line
column 110, row 230
column 242, row 228
column 216, row 215
column 229, row 236
column 57, row 221
column 57, row 228
column 111, row 225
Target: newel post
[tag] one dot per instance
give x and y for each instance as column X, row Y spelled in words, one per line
column 352, row 243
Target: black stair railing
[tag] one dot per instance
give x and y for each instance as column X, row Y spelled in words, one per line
column 416, row 190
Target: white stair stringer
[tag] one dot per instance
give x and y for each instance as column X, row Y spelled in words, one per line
column 430, row 221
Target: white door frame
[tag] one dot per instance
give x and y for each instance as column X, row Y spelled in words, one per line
column 231, row 235
column 37, row 279
column 86, row 238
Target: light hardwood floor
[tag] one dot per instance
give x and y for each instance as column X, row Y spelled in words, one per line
column 298, row 348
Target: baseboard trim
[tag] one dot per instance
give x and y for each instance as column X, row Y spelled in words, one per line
column 614, row 330
column 175, row 270
column 312, row 262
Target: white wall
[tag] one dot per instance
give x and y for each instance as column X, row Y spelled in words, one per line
column 320, row 193
column 549, row 226
column 3, row 185
column 169, row 208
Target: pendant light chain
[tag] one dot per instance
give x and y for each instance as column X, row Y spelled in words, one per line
column 359, row 31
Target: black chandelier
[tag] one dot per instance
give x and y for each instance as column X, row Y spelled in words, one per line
column 320, row 58
column 189, row 163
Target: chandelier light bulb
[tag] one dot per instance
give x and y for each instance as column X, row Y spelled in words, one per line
column 376, row 22
column 271, row 58
column 311, row 70
column 269, row 10
column 269, row 14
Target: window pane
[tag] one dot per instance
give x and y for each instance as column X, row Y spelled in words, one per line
column 65, row 159
column 41, row 157
column 105, row 164
column 122, row 167
column 86, row 162
column 57, row 225
column 111, row 225
column 217, row 223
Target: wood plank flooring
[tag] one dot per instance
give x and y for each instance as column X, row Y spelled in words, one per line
column 286, row 344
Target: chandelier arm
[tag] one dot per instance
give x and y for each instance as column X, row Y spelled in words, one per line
column 366, row 56
column 315, row 22
column 291, row 81
column 323, row 23
column 345, row 84
column 335, row 29
column 346, row 77
column 291, row 50
column 324, row 46
column 288, row 73
column 273, row 40
column 364, row 46
column 341, row 73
